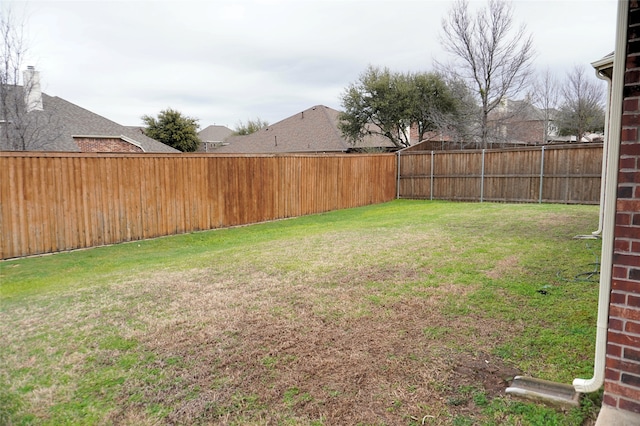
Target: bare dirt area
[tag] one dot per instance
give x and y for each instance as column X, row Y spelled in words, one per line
column 313, row 353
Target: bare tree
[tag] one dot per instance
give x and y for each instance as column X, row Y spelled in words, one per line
column 545, row 97
column 582, row 108
column 491, row 57
column 11, row 53
column 24, row 125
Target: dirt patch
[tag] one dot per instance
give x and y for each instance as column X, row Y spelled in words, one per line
column 505, row 266
column 251, row 363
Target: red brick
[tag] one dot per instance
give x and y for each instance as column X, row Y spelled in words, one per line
column 635, row 218
column 613, row 375
column 634, row 274
column 632, row 61
column 609, row 400
column 632, row 354
column 628, row 163
column 630, row 91
column 622, row 246
column 631, row 119
column 630, row 380
column 614, row 350
column 620, row 271
column 624, row 286
column 631, row 77
column 618, row 298
column 623, row 218
column 632, row 44
column 626, row 259
column 623, row 366
column 105, row 145
column 623, row 232
column 626, row 192
column 616, row 324
column 624, row 339
column 632, row 327
column 628, row 176
column 617, row 311
column 631, row 149
column 623, row 391
column 628, row 405
column 635, row 246
column 633, row 18
column 633, row 301
column 630, row 105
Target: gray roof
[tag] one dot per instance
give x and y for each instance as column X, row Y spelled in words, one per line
column 215, row 133
column 312, row 130
column 60, row 120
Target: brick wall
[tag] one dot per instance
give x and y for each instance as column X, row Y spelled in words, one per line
column 105, row 145
column 622, row 374
column 529, row 131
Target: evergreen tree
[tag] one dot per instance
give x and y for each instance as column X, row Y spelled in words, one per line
column 173, row 129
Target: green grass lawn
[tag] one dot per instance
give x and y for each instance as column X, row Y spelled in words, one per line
column 407, row 313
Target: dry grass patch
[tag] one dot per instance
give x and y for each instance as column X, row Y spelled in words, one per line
column 506, row 266
column 267, row 349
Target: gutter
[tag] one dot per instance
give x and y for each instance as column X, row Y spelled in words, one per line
column 609, row 211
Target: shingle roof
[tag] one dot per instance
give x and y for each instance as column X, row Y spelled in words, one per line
column 312, row 130
column 214, row 133
column 61, row 120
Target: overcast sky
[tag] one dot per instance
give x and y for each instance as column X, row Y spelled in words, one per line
column 229, row 61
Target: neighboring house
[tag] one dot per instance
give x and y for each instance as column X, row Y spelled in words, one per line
column 213, row 137
column 54, row 124
column 513, row 123
column 518, row 122
column 314, row 130
column 436, row 141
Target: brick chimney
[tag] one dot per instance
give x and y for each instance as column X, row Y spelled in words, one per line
column 32, row 91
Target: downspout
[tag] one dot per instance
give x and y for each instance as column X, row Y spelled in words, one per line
column 608, row 225
column 605, row 149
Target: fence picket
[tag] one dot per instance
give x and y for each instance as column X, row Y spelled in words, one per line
column 59, row 201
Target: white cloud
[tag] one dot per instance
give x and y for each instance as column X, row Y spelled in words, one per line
column 227, row 61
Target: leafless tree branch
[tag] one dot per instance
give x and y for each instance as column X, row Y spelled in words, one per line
column 491, row 57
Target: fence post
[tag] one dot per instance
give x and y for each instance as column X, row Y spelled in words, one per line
column 398, row 179
column 482, row 179
column 541, row 175
column 431, row 189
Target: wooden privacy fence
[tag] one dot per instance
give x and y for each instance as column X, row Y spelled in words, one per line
column 554, row 174
column 51, row 202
